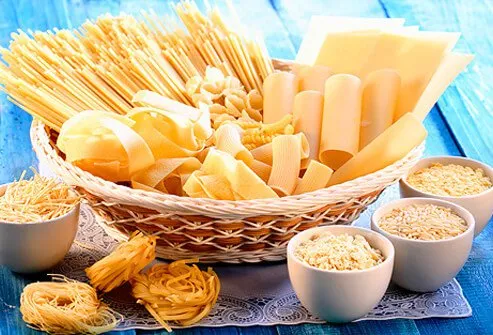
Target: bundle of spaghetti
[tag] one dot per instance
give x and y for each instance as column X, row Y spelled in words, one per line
column 36, row 199
column 222, row 47
column 123, row 263
column 66, row 306
column 131, row 58
column 177, row 292
column 54, row 75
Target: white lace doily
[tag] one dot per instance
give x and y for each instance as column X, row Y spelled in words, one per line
column 251, row 294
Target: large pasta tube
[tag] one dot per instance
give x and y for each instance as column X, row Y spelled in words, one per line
column 390, row 146
column 341, row 119
column 279, row 91
column 307, row 118
column 312, row 78
column 286, row 163
column 380, row 92
column 264, row 153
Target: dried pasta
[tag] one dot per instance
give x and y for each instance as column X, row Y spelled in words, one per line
column 101, row 65
column 312, row 78
column 237, row 180
column 123, row 263
column 177, row 292
column 317, row 176
column 166, row 175
column 307, row 118
column 390, row 146
column 279, row 91
column 264, row 153
column 339, row 140
column 228, row 139
column 104, row 144
column 380, row 92
column 286, row 164
column 225, row 95
column 66, row 306
column 36, row 199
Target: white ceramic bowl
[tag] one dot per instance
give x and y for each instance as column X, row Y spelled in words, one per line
column 340, row 296
column 425, row 266
column 480, row 205
column 36, row 247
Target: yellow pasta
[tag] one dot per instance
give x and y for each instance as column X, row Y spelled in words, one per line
column 380, row 92
column 243, row 183
column 257, row 134
column 312, row 78
column 390, row 146
column 339, row 140
column 89, row 130
column 452, row 64
column 279, row 91
column 286, row 164
column 156, row 177
column 317, row 176
column 37, row 199
column 66, row 306
column 123, row 263
column 261, row 169
column 264, row 153
column 103, row 63
column 228, row 139
column 307, row 118
column 177, row 292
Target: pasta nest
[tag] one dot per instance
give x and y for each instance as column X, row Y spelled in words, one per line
column 226, row 97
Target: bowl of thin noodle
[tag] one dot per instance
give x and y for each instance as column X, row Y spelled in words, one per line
column 38, row 223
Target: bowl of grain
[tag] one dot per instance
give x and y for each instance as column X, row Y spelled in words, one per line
column 339, row 273
column 432, row 240
column 463, row 181
column 38, row 223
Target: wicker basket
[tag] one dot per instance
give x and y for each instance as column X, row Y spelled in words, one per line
column 215, row 230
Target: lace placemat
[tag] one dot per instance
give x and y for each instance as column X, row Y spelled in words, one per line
column 251, row 294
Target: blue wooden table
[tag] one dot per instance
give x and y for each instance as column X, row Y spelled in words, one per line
column 460, row 124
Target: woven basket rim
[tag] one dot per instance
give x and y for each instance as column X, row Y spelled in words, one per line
column 38, row 132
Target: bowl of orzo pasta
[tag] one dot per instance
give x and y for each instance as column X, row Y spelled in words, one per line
column 463, row 181
column 432, row 240
column 340, row 273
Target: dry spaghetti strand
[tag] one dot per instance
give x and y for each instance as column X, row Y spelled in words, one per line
column 177, row 292
column 36, row 200
column 124, row 263
column 66, row 306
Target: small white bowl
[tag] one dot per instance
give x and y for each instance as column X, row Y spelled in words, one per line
column 480, row 205
column 425, row 266
column 340, row 296
column 36, row 247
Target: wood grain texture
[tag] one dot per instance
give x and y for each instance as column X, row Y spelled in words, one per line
column 283, row 23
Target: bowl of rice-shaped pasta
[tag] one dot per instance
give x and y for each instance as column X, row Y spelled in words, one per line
column 38, row 223
column 210, row 143
column 432, row 240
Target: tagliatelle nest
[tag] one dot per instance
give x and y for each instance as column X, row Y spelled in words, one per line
column 177, row 292
column 225, row 96
column 124, row 263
